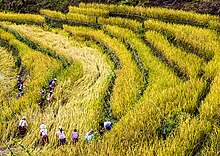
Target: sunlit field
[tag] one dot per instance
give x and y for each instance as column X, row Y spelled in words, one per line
column 153, row 72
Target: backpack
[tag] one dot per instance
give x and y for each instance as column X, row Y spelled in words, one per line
column 50, row 82
column 19, row 126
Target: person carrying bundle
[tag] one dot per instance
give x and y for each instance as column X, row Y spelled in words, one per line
column 62, row 137
column 43, row 134
column 22, row 127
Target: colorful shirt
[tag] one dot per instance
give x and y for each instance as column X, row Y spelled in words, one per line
column 89, row 137
column 61, row 135
column 75, row 135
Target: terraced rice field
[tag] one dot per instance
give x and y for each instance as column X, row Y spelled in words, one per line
column 154, row 73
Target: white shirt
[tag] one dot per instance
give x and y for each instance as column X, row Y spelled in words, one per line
column 23, row 123
column 43, row 132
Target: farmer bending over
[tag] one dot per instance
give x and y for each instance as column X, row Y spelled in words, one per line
column 105, row 126
column 22, row 127
column 43, row 134
column 89, row 136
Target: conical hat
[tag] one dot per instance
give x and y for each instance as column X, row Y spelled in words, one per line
column 42, row 126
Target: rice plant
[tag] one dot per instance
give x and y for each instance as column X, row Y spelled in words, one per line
column 153, row 72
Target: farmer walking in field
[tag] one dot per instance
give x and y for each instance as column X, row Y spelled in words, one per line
column 43, row 134
column 75, row 137
column 20, row 83
column 22, row 127
column 105, row 126
column 62, row 137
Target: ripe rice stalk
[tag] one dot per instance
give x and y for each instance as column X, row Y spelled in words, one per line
column 80, row 18
column 90, row 88
column 210, row 108
column 203, row 41
column 22, row 18
column 7, row 73
column 89, row 11
column 192, row 133
column 186, row 62
column 37, row 73
column 139, row 125
column 53, row 14
column 128, row 77
column 156, row 69
column 170, row 15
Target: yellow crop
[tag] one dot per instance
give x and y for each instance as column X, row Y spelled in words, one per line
column 96, row 6
column 189, row 64
column 202, row 40
column 91, row 87
column 88, row 11
column 139, row 125
column 128, row 76
column 80, row 18
column 176, row 16
column 215, row 25
column 36, row 74
column 8, row 73
column 113, row 68
column 53, row 14
column 213, row 149
column 22, row 18
column 156, row 69
column 210, row 108
column 187, row 139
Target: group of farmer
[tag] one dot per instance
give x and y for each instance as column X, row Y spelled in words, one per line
column 22, row 127
column 43, row 93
